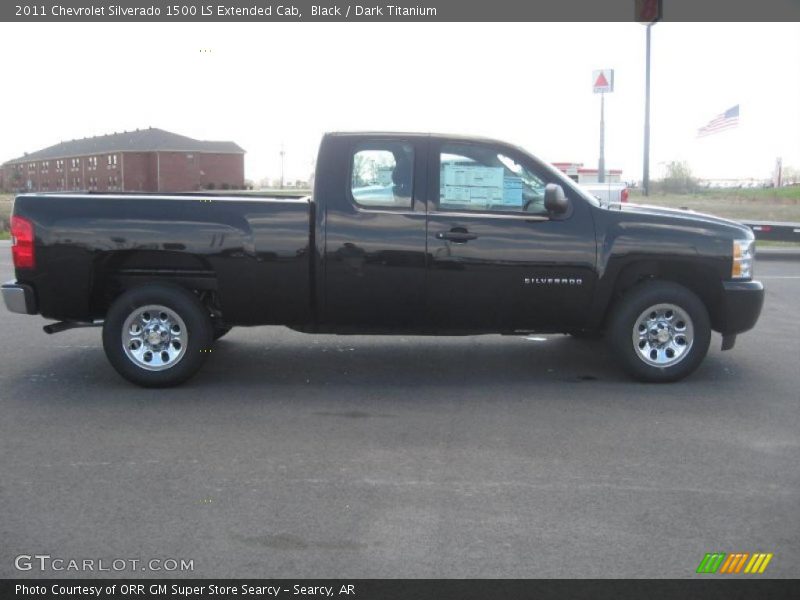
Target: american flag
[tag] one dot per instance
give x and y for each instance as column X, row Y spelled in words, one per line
column 726, row 120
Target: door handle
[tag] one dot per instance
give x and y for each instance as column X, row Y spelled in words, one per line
column 457, row 235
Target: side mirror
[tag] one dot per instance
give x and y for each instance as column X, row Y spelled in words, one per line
column 555, row 202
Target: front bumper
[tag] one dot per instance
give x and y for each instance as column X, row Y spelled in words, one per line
column 19, row 298
column 741, row 305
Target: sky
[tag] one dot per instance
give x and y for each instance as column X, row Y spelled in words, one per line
column 272, row 85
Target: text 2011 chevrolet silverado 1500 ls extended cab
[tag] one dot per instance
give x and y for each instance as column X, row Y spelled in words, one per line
column 404, row 233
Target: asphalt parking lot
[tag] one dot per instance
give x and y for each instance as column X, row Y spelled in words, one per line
column 323, row 456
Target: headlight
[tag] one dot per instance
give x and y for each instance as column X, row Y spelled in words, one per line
column 743, row 255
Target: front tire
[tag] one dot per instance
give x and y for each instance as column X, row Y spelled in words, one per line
column 660, row 331
column 157, row 335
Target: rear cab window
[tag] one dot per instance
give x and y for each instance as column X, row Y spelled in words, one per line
column 382, row 174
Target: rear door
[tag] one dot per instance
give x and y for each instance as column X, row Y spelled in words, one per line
column 374, row 227
column 497, row 260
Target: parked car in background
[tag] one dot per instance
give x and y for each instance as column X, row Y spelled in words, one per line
column 610, row 195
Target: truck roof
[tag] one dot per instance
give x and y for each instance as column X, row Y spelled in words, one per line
column 407, row 134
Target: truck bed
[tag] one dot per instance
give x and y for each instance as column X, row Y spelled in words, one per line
column 253, row 253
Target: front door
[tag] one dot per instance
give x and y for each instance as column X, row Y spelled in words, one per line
column 497, row 261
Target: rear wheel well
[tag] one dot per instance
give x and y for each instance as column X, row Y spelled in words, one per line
column 115, row 273
column 105, row 293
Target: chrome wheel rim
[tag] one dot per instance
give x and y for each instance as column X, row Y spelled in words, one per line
column 663, row 335
column 154, row 337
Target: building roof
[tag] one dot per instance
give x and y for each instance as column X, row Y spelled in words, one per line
column 141, row 140
column 563, row 166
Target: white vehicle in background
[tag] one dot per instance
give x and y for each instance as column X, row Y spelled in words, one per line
column 610, row 194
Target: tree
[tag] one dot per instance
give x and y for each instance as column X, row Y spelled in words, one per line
column 679, row 178
column 790, row 175
column 361, row 168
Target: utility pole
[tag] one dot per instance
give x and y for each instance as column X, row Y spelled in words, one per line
column 646, row 164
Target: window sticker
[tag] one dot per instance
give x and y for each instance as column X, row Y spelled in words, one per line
column 475, row 185
column 512, row 191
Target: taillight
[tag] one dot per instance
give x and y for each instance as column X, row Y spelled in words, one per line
column 22, row 243
column 624, row 195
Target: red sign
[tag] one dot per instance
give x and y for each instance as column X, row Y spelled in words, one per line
column 603, row 81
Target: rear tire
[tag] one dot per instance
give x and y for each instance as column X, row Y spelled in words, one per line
column 157, row 335
column 659, row 331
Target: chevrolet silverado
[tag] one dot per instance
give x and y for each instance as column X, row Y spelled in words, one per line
column 403, row 234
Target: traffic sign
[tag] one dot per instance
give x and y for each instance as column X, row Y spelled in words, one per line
column 603, row 81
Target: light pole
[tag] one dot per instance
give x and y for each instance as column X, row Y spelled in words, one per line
column 283, row 154
column 601, row 165
column 603, row 82
column 648, row 12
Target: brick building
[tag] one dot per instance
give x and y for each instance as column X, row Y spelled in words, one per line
column 147, row 160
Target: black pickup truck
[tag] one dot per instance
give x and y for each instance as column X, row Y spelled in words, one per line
column 404, row 234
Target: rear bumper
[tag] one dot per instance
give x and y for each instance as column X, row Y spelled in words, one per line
column 19, row 298
column 741, row 305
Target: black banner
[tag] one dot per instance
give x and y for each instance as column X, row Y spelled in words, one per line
column 397, row 10
column 401, row 589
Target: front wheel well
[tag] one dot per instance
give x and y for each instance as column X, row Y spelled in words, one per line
column 702, row 280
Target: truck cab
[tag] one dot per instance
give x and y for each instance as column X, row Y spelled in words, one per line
column 434, row 233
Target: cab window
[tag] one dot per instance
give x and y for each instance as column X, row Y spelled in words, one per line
column 383, row 175
column 476, row 177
